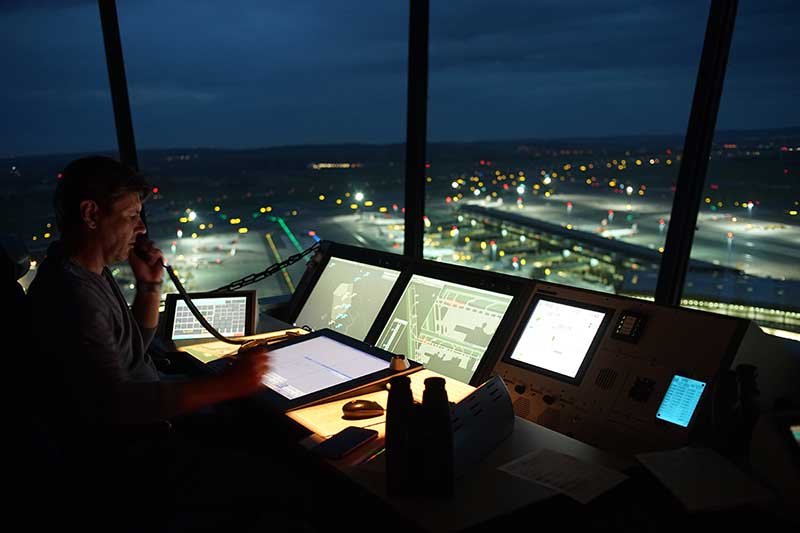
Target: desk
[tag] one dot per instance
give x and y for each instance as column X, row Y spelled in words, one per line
column 481, row 494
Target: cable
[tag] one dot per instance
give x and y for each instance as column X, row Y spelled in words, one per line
column 247, row 280
column 196, row 312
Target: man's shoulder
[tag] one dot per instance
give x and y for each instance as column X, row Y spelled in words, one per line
column 57, row 279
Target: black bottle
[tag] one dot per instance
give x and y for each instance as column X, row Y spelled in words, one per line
column 399, row 412
column 437, row 435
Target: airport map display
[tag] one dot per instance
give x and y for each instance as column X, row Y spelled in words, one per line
column 444, row 326
column 347, row 297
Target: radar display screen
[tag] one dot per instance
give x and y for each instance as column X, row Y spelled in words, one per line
column 559, row 337
column 681, row 400
column 347, row 297
column 228, row 315
column 444, row 326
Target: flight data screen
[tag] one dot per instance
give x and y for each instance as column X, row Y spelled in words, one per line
column 444, row 326
column 310, row 366
column 228, row 315
column 347, row 297
column 681, row 400
column 558, row 337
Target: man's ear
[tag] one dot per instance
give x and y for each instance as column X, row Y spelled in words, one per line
column 89, row 213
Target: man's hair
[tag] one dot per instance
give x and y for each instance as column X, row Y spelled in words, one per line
column 97, row 178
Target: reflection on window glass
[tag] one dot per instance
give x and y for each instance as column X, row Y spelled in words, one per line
column 56, row 107
column 555, row 136
column 747, row 243
column 266, row 127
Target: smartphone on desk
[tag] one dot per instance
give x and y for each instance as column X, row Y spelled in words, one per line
column 344, row 442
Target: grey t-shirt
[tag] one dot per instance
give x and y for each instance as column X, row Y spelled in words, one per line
column 90, row 337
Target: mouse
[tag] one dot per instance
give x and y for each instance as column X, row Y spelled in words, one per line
column 356, row 409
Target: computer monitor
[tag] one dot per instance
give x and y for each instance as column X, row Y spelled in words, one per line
column 232, row 313
column 445, row 326
column 559, row 338
column 347, row 296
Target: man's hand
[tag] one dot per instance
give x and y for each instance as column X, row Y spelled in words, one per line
column 146, row 261
column 244, row 377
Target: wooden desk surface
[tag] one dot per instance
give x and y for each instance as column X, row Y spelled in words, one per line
column 481, row 494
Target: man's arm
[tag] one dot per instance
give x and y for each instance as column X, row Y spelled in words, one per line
column 145, row 304
column 147, row 264
column 241, row 379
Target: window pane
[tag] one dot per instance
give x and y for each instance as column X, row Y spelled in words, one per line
column 555, row 136
column 266, row 126
column 746, row 247
column 56, row 107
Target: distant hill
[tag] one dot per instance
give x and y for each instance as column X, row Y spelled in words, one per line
column 212, row 161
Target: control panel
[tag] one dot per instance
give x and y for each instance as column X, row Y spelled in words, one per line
column 618, row 373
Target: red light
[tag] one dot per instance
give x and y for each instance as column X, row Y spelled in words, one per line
column 714, row 187
column 505, row 186
column 785, row 170
column 394, row 206
column 427, row 165
column 60, row 175
column 155, row 190
column 311, row 233
column 783, row 148
column 492, row 243
column 669, row 151
column 403, row 210
column 610, row 211
column 661, row 221
column 569, row 204
column 483, row 162
column 514, row 259
column 448, row 200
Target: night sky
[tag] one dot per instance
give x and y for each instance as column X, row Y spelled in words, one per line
column 253, row 73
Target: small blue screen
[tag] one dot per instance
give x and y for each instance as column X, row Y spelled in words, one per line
column 681, row 400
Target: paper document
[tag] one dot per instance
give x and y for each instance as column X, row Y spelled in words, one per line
column 702, row 479
column 579, row 480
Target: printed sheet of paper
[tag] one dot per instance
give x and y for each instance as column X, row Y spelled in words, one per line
column 563, row 473
column 702, row 479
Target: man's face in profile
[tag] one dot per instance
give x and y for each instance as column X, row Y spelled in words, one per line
column 119, row 225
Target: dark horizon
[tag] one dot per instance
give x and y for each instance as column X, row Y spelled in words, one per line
column 616, row 139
